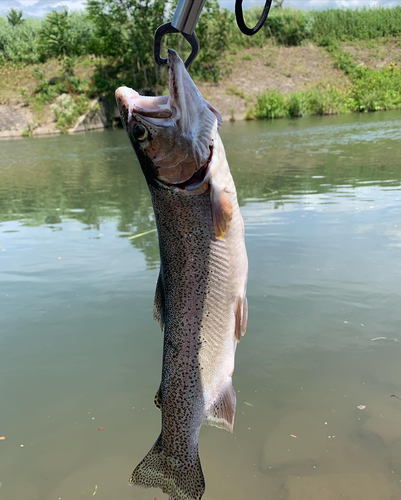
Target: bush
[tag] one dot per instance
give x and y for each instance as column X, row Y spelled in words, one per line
column 66, row 109
column 349, row 24
column 376, row 90
column 213, row 31
column 19, row 43
column 320, row 101
column 270, row 104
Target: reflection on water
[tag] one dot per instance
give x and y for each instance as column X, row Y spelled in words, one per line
column 321, row 199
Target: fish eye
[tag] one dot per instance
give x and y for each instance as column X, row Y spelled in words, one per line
column 139, row 132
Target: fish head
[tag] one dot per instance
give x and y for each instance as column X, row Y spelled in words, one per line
column 173, row 135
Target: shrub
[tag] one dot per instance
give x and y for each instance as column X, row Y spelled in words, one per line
column 270, row 104
column 66, row 109
column 19, row 43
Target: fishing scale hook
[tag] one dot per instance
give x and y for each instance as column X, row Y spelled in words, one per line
column 185, row 19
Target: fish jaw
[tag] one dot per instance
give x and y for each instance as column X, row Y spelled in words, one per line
column 175, row 132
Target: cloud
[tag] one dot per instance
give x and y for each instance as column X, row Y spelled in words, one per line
column 39, row 8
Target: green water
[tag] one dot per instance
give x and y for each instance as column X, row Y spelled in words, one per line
column 321, row 199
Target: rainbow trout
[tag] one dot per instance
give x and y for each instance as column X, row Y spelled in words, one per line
column 200, row 298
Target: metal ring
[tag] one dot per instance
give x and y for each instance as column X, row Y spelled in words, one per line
column 240, row 18
column 166, row 28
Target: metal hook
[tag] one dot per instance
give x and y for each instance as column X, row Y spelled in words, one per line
column 166, row 28
column 241, row 22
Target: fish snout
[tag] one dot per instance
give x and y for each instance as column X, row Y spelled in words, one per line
column 124, row 98
column 173, row 58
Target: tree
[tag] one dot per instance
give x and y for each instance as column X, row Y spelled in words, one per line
column 14, row 17
column 55, row 35
column 124, row 32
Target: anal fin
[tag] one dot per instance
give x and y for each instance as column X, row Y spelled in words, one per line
column 158, row 305
column 221, row 414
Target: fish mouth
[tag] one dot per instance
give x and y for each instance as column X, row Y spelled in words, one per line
column 132, row 104
column 181, row 127
column 159, row 110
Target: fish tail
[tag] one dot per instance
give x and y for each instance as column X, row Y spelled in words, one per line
column 158, row 470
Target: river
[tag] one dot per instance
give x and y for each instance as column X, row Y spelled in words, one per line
column 79, row 351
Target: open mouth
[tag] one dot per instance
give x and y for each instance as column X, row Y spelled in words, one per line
column 154, row 109
column 131, row 103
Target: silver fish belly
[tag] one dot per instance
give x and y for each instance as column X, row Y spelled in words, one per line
column 200, row 298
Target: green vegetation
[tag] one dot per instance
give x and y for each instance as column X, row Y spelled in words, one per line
column 274, row 104
column 370, row 90
column 123, row 30
column 118, row 37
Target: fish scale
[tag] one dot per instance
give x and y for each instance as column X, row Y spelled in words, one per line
column 200, row 296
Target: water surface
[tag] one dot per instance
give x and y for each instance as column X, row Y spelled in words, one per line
column 321, row 199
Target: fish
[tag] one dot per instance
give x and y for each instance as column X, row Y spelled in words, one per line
column 200, row 299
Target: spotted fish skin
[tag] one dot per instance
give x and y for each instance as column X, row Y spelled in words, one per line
column 200, row 299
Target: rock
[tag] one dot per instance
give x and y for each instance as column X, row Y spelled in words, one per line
column 95, row 118
column 338, row 486
column 14, row 120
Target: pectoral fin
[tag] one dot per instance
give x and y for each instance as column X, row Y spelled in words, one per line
column 222, row 210
column 158, row 305
column 221, row 414
column 241, row 317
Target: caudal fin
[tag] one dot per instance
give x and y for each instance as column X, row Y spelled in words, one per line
column 180, row 482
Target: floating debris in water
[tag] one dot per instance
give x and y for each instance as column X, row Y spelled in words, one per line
column 361, row 407
column 94, row 493
column 100, row 428
column 293, row 436
column 2, row 438
column 378, row 338
column 141, row 234
column 248, row 404
column 392, row 396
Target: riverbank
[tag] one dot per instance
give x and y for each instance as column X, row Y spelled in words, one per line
column 268, row 82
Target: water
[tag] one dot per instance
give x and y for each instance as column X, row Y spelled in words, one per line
column 321, row 199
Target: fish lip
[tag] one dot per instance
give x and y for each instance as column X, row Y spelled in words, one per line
column 175, row 63
column 157, row 110
column 131, row 104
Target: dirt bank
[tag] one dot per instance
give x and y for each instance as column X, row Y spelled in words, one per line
column 247, row 73
column 287, row 69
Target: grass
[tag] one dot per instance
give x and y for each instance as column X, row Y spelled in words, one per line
column 370, row 90
column 322, row 101
column 367, row 30
column 232, row 90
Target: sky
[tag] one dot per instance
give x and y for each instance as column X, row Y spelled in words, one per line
column 39, row 8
